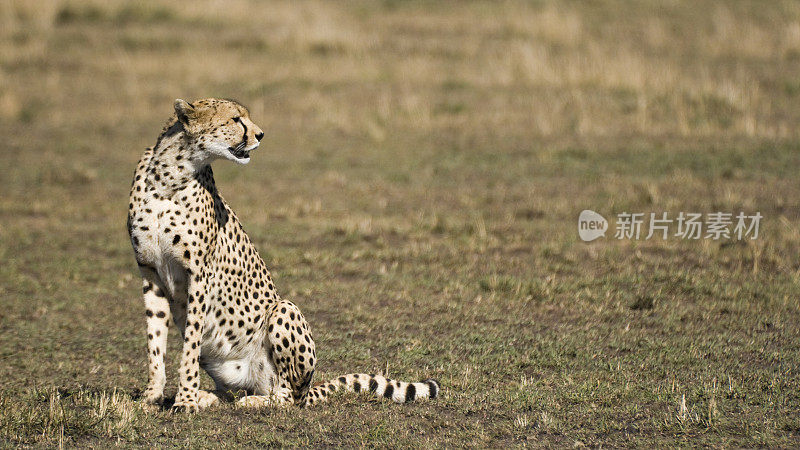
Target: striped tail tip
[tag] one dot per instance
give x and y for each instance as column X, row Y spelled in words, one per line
column 381, row 387
column 433, row 388
column 409, row 392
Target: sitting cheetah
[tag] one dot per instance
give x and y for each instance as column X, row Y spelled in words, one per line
column 201, row 271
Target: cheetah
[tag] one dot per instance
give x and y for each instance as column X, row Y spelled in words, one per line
column 201, row 272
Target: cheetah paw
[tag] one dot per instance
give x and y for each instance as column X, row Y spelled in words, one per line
column 151, row 400
column 189, row 407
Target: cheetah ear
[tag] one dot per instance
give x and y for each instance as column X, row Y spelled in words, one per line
column 184, row 110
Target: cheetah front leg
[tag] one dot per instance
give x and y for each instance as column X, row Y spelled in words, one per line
column 188, row 398
column 158, row 316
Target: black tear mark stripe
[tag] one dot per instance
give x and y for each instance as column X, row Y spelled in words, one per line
column 242, row 144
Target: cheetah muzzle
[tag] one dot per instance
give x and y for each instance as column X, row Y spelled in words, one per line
column 201, row 272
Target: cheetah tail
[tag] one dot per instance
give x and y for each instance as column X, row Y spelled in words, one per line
column 398, row 391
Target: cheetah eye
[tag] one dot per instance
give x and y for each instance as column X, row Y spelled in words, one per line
column 237, row 119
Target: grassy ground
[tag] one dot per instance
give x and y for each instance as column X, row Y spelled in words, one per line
column 417, row 197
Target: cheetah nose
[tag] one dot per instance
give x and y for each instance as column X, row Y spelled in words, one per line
column 260, row 136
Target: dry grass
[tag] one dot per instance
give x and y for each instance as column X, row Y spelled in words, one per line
column 416, row 196
column 706, row 70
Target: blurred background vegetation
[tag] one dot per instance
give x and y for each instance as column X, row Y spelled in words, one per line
column 416, row 195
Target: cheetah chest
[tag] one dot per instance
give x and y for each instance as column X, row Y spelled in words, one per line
column 158, row 234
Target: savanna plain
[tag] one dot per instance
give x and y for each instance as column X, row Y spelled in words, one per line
column 417, row 195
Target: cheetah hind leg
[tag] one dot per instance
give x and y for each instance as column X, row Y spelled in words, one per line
column 291, row 348
column 206, row 399
column 262, row 401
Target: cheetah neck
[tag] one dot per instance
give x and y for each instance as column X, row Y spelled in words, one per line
column 173, row 167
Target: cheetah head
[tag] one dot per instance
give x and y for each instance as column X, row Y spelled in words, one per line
column 218, row 129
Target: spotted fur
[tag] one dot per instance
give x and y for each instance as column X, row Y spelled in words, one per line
column 201, row 272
